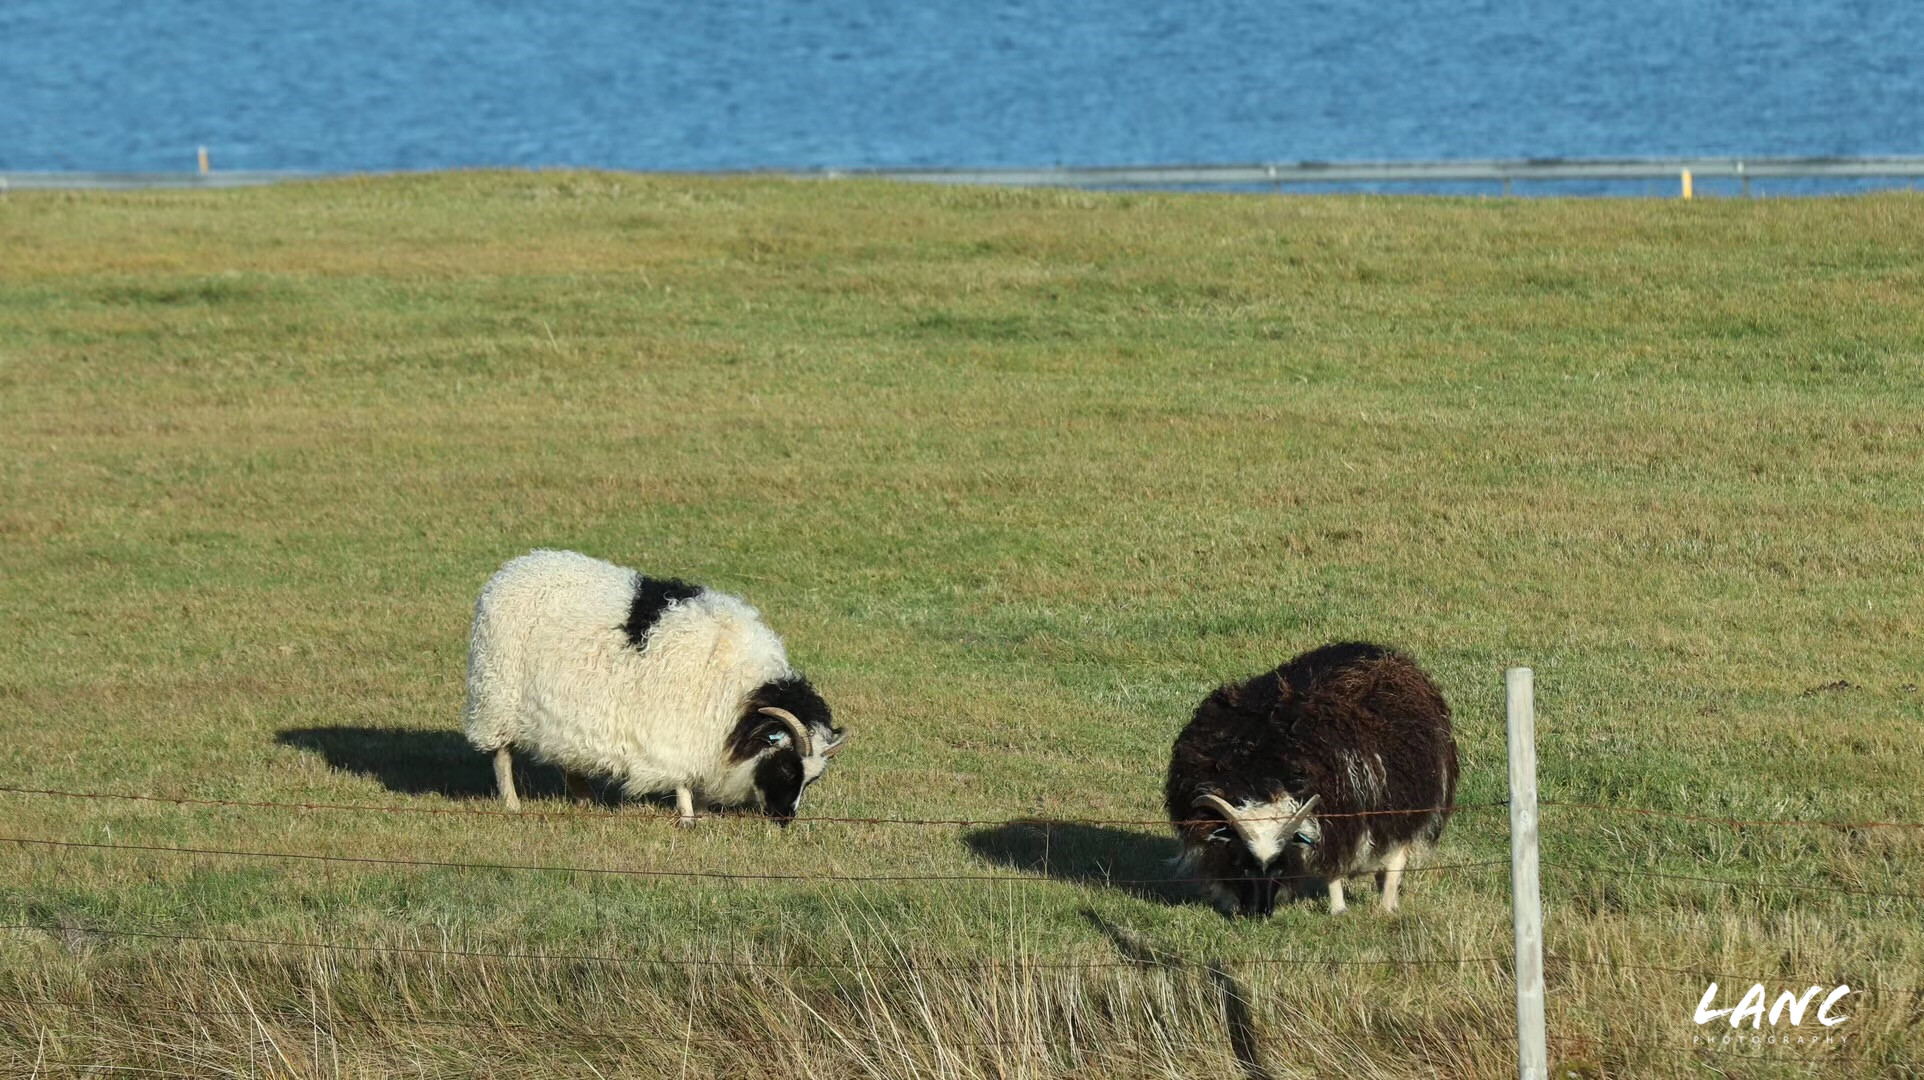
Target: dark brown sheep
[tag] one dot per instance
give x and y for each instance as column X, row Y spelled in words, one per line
column 1259, row 779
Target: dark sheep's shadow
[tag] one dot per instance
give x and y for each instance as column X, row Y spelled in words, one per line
column 1238, row 1018
column 1138, row 863
column 1133, row 946
column 415, row 762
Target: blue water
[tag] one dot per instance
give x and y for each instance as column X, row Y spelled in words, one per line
column 371, row 84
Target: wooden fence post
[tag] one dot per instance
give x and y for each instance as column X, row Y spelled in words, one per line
column 1526, row 900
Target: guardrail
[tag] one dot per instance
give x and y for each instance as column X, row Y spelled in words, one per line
column 1503, row 171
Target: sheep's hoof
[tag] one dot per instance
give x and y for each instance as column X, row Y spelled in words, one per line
column 686, row 821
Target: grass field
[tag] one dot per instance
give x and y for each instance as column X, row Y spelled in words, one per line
column 1019, row 476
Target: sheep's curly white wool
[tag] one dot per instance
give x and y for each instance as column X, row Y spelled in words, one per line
column 553, row 673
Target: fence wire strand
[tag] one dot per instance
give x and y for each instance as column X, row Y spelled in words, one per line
column 1622, row 965
column 1580, row 869
column 579, row 814
column 975, row 966
column 325, row 1020
column 1728, row 822
column 1576, row 869
column 713, row 875
column 91, row 1067
column 1706, row 1049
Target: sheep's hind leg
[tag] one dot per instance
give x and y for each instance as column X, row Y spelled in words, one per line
column 1390, row 878
column 504, row 777
column 685, row 806
column 578, row 788
column 1336, row 905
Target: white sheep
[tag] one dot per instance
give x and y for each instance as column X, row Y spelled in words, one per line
column 655, row 683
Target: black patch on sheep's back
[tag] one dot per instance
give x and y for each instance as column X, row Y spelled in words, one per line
column 652, row 597
column 792, row 693
column 1287, row 732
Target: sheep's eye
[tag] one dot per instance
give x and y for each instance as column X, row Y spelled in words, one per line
column 778, row 738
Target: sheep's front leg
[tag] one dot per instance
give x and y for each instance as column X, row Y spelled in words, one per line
column 1336, row 905
column 504, row 777
column 685, row 805
column 1390, row 877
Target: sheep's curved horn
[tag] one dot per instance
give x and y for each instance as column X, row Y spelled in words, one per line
column 835, row 745
column 1301, row 815
column 1237, row 820
column 1213, row 801
column 795, row 727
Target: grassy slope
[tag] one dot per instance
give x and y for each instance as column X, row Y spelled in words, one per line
column 1019, row 475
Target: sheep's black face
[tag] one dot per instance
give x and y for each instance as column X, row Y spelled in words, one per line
column 780, row 779
column 1243, row 884
column 779, row 715
column 1256, row 897
column 1248, row 869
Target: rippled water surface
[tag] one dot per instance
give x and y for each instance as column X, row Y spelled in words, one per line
column 367, row 84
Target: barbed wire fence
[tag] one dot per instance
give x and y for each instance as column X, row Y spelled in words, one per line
column 1533, row 1063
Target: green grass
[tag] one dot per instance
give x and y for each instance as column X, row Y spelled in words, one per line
column 1019, row 476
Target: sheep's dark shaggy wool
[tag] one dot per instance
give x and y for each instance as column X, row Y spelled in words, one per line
column 1356, row 726
column 652, row 597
